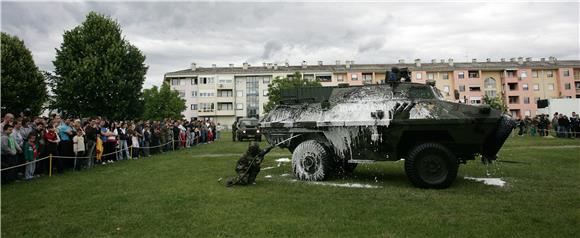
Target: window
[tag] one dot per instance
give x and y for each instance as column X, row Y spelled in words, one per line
column 475, row 100
column 490, row 87
column 266, row 80
column 445, row 76
column 206, row 107
column 181, row 93
column 513, row 99
column 550, row 73
column 323, row 78
column 339, row 78
column 418, row 76
column 239, row 106
column 526, row 100
column 513, row 86
column 525, row 87
column 446, row 90
column 175, row 82
column 225, row 106
column 265, row 93
column 225, row 93
column 194, row 81
column 536, row 99
column 527, row 113
column 524, row 74
column 566, row 73
column 534, row 74
column 473, row 74
column 474, row 88
column 225, row 81
column 240, row 93
column 461, row 88
column 510, row 73
column 353, row 77
column 536, row 87
column 194, row 93
column 567, row 86
column 461, row 75
column 206, row 94
column 309, row 77
column 367, row 77
column 193, row 106
column 490, row 93
column 430, row 76
column 206, row 80
column 551, row 87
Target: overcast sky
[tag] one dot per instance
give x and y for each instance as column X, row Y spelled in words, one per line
column 172, row 35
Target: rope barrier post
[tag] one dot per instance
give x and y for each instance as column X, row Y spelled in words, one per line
column 50, row 165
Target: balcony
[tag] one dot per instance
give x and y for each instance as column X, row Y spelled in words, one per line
column 225, row 113
column 225, row 99
column 576, row 77
column 225, row 86
column 206, row 112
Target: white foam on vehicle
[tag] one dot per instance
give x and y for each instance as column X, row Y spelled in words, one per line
column 284, row 175
column 268, row 176
column 489, row 181
column 267, row 168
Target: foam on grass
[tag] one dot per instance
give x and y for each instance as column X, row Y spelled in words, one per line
column 489, row 181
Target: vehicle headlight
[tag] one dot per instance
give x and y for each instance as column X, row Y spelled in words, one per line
column 257, row 131
column 244, row 131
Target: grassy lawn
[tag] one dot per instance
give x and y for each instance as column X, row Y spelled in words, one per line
column 177, row 195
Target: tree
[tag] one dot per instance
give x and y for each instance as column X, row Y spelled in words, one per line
column 496, row 103
column 279, row 83
column 97, row 71
column 23, row 86
column 162, row 103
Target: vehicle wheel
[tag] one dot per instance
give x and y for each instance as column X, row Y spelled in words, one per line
column 310, row 161
column 431, row 165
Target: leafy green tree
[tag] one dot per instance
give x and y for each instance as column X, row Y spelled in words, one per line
column 97, row 71
column 23, row 85
column 279, row 83
column 496, row 103
column 162, row 103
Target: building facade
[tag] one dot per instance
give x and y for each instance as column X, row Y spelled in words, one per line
column 224, row 94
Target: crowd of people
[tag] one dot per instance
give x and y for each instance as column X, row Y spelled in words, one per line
column 559, row 125
column 75, row 144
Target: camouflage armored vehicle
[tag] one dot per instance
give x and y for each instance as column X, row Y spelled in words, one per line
column 342, row 126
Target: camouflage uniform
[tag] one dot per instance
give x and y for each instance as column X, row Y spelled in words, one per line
column 248, row 166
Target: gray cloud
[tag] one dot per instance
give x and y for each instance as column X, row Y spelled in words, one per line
column 172, row 35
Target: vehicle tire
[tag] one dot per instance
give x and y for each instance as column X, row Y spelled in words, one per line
column 311, row 161
column 431, row 165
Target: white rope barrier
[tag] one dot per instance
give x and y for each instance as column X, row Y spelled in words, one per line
column 82, row 157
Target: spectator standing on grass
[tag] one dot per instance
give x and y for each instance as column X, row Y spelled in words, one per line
column 555, row 124
column 108, row 146
column 575, row 125
column 521, row 126
column 134, row 142
column 79, row 146
column 39, row 132
column 65, row 132
column 91, row 133
column 52, row 140
column 123, row 141
column 534, row 127
column 146, row 140
column 561, row 125
column 218, row 130
column 156, row 140
column 9, row 151
column 30, row 155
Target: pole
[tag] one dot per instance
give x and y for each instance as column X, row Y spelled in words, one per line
column 50, row 165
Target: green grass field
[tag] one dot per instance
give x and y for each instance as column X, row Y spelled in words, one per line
column 177, row 195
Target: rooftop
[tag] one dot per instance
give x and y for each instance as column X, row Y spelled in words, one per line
column 337, row 68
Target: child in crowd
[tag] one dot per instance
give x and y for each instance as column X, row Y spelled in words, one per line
column 30, row 155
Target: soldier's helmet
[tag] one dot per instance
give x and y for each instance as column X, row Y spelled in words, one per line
column 254, row 149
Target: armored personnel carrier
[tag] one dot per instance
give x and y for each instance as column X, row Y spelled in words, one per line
column 342, row 126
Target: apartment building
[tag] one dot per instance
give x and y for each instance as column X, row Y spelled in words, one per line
column 224, row 94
